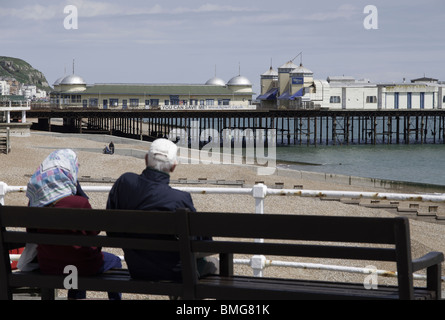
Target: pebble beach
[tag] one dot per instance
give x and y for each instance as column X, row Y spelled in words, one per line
column 28, row 152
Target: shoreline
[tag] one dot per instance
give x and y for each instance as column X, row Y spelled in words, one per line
column 343, row 179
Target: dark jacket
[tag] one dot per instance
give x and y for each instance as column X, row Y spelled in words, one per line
column 149, row 191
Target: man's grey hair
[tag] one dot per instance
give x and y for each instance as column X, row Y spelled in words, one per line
column 162, row 155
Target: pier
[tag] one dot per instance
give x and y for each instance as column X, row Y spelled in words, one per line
column 292, row 127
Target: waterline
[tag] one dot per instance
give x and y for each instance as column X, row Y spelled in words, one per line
column 422, row 164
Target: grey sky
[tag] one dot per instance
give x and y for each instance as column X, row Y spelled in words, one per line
column 173, row 41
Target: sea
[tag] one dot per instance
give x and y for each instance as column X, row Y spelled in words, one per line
column 413, row 163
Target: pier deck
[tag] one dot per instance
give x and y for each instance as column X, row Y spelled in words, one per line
column 297, row 127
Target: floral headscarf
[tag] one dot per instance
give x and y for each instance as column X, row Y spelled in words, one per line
column 56, row 178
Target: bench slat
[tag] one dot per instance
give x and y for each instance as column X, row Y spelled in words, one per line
column 103, row 220
column 296, row 250
column 91, row 241
column 107, row 282
column 295, row 227
column 238, row 287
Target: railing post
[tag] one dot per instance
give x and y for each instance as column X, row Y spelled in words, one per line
column 259, row 192
column 258, row 262
column 3, row 188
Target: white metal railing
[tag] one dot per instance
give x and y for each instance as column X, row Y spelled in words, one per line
column 259, row 192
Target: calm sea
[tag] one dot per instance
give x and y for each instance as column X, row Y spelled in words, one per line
column 410, row 163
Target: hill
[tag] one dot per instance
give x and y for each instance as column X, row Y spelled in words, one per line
column 23, row 72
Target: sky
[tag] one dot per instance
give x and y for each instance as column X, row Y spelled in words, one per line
column 191, row 41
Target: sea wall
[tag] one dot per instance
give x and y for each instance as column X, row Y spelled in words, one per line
column 398, row 186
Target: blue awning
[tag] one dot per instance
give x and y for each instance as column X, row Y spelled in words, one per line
column 269, row 95
column 297, row 94
column 284, row 96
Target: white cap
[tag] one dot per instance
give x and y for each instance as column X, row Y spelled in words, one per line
column 163, row 150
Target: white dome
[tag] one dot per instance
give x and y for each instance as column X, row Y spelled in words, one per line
column 239, row 81
column 72, row 79
column 215, row 82
column 57, row 82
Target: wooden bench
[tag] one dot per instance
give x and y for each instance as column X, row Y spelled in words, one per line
column 233, row 233
column 135, row 222
column 284, row 229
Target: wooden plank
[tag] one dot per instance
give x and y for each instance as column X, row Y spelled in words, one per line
column 295, row 227
column 104, row 220
column 239, row 287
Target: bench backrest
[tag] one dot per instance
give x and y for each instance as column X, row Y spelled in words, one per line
column 229, row 231
column 110, row 221
column 340, row 237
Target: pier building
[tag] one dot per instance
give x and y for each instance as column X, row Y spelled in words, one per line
column 294, row 87
column 216, row 94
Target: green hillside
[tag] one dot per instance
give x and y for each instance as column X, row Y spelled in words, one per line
column 23, row 72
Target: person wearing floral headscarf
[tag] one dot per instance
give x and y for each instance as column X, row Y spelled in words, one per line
column 55, row 184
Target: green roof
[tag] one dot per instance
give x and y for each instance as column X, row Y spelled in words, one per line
column 12, row 98
column 160, row 89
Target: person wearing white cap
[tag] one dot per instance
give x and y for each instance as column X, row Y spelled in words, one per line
column 150, row 191
column 162, row 156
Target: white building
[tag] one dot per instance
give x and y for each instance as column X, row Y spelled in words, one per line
column 29, row 91
column 294, row 87
column 4, row 88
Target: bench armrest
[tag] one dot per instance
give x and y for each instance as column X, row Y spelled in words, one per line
column 428, row 260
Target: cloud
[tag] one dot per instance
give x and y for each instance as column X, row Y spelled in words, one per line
column 97, row 9
column 345, row 11
column 32, row 12
column 101, row 9
column 206, row 8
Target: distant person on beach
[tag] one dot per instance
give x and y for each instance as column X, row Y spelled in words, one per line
column 151, row 191
column 55, row 184
column 109, row 149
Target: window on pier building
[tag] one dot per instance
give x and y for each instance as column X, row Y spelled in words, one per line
column 335, row 99
column 224, row 102
column 396, row 100
column 210, row 102
column 134, row 102
column 371, row 99
column 114, row 102
column 94, row 102
column 75, row 98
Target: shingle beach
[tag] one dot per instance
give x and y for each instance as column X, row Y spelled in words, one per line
column 28, row 152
